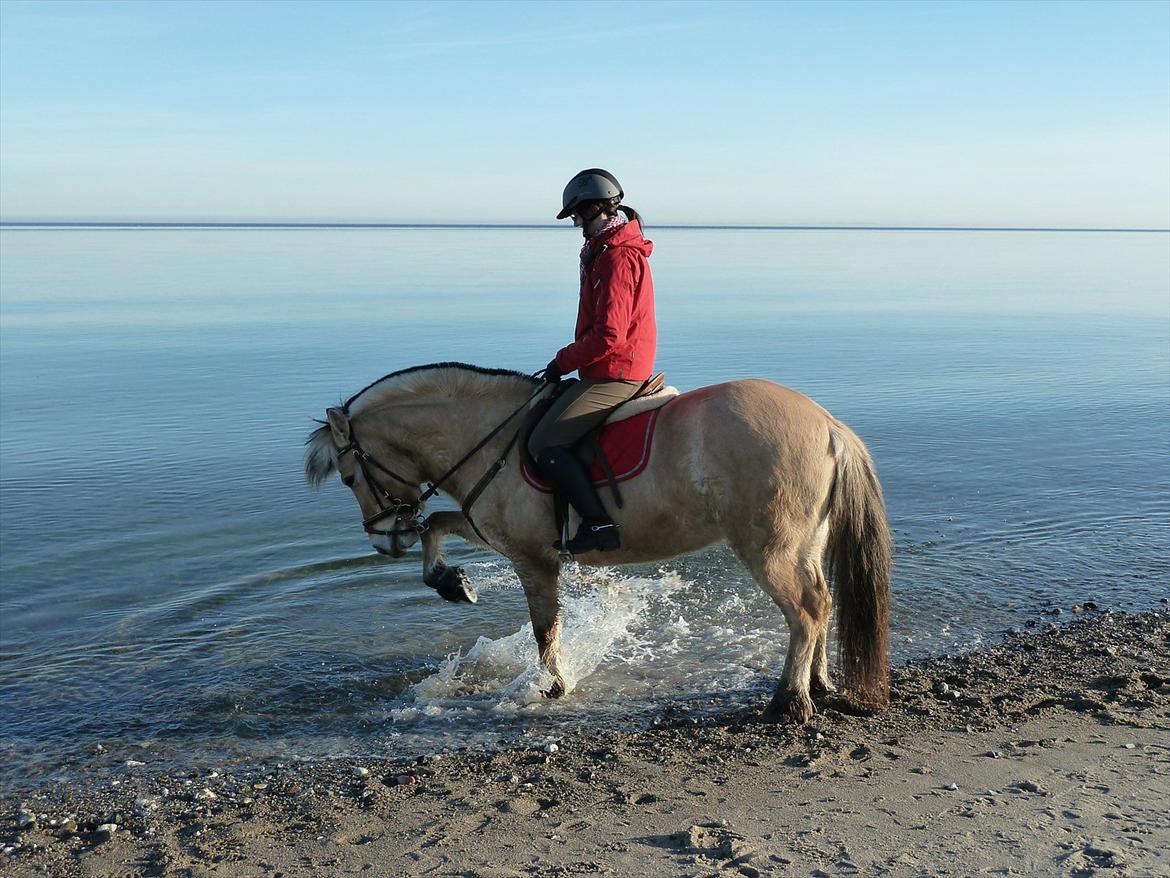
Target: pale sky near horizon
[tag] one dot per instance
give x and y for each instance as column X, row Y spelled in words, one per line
column 1048, row 114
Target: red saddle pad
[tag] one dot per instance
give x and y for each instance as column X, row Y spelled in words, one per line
column 626, row 445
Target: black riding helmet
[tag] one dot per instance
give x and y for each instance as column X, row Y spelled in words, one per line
column 592, row 184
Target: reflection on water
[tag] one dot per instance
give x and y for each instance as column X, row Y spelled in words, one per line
column 167, row 581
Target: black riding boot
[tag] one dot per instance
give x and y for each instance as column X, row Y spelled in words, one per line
column 568, row 476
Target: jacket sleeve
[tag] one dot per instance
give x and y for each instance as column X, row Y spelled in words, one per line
column 614, row 287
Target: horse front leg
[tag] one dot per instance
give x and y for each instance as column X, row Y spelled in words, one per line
column 452, row 583
column 539, row 580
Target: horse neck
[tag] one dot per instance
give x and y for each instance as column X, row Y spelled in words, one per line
column 440, row 430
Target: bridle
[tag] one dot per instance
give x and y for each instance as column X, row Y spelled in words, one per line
column 408, row 511
column 388, row 504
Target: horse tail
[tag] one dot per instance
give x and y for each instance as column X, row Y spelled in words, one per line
column 859, row 556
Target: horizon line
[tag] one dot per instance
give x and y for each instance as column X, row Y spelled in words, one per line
column 179, row 224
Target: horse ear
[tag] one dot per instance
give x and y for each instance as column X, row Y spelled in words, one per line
column 339, row 425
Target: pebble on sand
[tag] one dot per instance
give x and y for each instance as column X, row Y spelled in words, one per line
column 105, row 832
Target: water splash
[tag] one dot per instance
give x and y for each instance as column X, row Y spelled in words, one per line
column 604, row 616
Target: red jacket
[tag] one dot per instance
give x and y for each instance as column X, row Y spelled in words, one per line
column 616, row 335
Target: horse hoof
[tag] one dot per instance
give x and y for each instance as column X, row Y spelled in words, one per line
column 453, row 585
column 556, row 690
column 789, row 708
column 822, row 687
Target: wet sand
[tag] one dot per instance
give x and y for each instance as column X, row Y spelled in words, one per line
column 1048, row 754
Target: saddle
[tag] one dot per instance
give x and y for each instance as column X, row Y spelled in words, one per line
column 629, row 446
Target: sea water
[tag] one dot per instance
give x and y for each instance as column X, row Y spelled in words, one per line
column 168, row 585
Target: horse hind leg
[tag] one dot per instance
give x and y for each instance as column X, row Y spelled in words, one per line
column 820, row 683
column 795, row 581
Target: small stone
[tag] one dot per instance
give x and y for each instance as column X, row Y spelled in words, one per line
column 1130, row 746
column 1092, row 605
column 941, row 688
column 551, row 748
column 259, row 786
column 206, row 795
column 105, row 832
column 26, row 820
column 68, row 827
column 405, row 780
column 133, row 763
column 952, row 787
column 361, row 771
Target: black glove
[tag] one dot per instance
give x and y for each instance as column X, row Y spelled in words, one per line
column 552, row 372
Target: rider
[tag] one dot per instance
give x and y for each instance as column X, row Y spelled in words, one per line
column 613, row 350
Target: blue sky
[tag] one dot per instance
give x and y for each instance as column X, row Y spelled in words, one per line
column 822, row 113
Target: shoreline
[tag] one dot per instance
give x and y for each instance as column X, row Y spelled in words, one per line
column 1013, row 757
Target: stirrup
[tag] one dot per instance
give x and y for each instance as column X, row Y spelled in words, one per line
column 601, row 535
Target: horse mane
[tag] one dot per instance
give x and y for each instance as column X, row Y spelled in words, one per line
column 461, row 379
column 447, row 375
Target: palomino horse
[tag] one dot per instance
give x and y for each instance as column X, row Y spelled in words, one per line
column 750, row 463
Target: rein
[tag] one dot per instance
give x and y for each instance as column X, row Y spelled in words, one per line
column 394, row 506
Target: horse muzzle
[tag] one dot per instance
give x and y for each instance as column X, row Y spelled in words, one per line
column 403, row 532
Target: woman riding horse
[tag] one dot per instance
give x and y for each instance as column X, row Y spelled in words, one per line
column 613, row 347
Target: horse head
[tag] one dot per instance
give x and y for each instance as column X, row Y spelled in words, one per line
column 382, row 476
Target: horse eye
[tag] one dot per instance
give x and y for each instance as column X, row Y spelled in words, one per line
column 347, row 480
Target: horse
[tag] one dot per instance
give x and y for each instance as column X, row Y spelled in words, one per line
column 751, row 463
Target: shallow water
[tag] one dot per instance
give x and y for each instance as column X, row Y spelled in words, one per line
column 168, row 584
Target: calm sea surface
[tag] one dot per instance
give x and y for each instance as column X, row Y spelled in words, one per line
column 168, row 585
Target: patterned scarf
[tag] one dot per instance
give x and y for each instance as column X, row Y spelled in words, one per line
column 615, row 222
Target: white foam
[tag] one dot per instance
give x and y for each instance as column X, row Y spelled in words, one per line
column 602, row 613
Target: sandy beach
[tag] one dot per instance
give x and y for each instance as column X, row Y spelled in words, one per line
column 1048, row 754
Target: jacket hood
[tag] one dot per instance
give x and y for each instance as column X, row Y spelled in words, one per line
column 629, row 235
